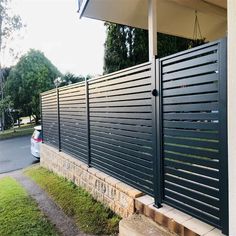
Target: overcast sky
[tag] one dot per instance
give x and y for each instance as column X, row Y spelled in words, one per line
column 53, row 26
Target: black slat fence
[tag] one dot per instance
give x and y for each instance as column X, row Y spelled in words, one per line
column 50, row 117
column 160, row 127
column 120, row 108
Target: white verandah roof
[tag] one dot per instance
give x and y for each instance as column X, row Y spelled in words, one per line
column 174, row 17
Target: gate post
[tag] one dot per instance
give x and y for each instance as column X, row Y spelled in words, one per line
column 58, row 120
column 87, row 121
column 224, row 190
column 157, row 134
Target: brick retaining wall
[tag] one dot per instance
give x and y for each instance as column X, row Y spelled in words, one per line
column 118, row 196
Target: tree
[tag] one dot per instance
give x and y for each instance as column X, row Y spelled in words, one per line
column 126, row 46
column 116, row 51
column 9, row 25
column 32, row 75
column 70, row 78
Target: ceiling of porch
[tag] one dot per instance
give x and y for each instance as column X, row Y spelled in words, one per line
column 174, row 17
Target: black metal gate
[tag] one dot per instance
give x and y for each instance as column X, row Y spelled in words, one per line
column 192, row 131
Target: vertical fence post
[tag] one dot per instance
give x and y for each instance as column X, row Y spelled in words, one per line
column 157, row 134
column 58, row 120
column 41, row 112
column 87, row 120
column 224, row 205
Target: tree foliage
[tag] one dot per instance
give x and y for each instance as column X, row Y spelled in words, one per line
column 9, row 24
column 70, row 78
column 116, row 51
column 33, row 74
column 126, row 46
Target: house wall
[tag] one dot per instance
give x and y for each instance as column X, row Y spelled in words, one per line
column 116, row 195
column 232, row 113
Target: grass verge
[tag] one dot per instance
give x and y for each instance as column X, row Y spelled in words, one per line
column 22, row 131
column 90, row 215
column 19, row 214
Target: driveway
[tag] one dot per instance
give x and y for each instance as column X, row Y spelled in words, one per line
column 15, row 154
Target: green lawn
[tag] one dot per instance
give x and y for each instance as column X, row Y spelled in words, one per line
column 90, row 215
column 19, row 214
column 16, row 132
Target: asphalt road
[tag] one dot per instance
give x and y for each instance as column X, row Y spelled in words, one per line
column 15, row 154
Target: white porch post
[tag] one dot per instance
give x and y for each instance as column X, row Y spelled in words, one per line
column 152, row 28
column 232, row 113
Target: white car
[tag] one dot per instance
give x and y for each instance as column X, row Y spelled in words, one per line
column 36, row 141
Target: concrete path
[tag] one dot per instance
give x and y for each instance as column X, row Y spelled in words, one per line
column 64, row 224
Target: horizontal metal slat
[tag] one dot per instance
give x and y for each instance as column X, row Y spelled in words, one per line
column 143, row 136
column 78, row 145
column 140, row 116
column 197, row 116
column 120, row 80
column 122, row 121
column 205, row 88
column 202, row 79
column 191, row 202
column 72, row 97
column 128, row 97
column 127, row 91
column 189, row 53
column 192, row 160
column 74, row 153
column 191, row 125
column 191, row 142
column 122, row 73
column 208, row 153
column 80, row 89
column 73, row 106
column 75, row 148
column 78, row 132
column 75, row 138
column 136, row 172
column 194, row 195
column 212, row 68
column 121, row 157
column 214, row 183
column 193, row 185
column 137, row 109
column 208, row 172
column 197, row 98
column 138, row 157
column 192, row 134
column 49, row 95
column 50, row 99
column 72, row 102
column 75, row 122
column 49, row 110
column 73, row 113
column 121, row 86
column 122, row 103
column 128, row 140
column 74, row 127
column 194, row 62
column 128, row 127
column 201, row 107
column 122, row 143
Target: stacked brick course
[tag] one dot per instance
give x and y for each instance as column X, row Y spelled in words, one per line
column 118, row 196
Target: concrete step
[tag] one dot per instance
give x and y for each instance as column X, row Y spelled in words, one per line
column 140, row 225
